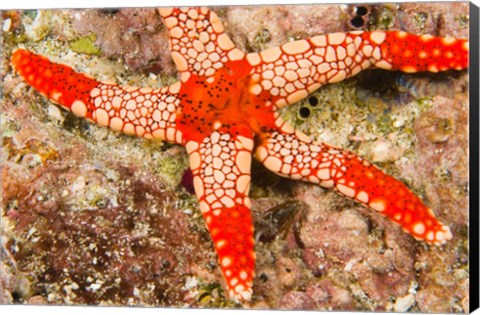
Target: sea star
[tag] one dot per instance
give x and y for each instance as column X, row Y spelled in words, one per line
column 224, row 108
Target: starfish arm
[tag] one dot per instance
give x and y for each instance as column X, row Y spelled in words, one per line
column 221, row 178
column 135, row 111
column 292, row 154
column 198, row 42
column 412, row 53
column 292, row 71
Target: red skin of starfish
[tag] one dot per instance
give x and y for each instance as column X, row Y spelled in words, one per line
column 223, row 109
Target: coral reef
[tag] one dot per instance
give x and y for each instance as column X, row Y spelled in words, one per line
column 90, row 216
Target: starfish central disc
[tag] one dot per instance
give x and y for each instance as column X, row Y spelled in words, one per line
column 222, row 101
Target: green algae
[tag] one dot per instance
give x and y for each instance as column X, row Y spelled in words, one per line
column 37, row 26
column 171, row 168
column 420, row 20
column 463, row 20
column 85, row 45
column 383, row 18
column 31, row 13
column 443, row 174
column 261, row 38
column 213, row 296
